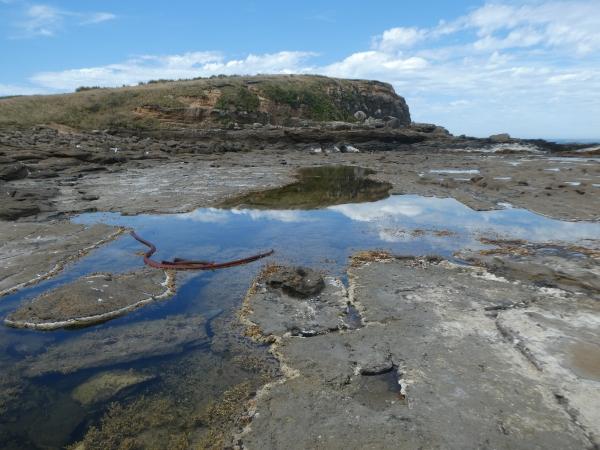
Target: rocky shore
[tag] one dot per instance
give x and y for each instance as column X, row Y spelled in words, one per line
column 45, row 173
column 494, row 346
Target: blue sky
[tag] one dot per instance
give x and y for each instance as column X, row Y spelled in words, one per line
column 530, row 68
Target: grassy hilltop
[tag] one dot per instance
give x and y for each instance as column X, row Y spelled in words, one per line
column 208, row 103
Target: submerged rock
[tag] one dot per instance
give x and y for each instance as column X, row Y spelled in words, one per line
column 105, row 385
column 92, row 299
column 119, row 344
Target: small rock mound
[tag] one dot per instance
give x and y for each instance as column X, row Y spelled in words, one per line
column 296, row 281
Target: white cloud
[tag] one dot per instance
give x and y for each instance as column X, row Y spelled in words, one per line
column 41, row 20
column 285, row 215
column 374, row 64
column 187, row 65
column 495, row 69
column 392, row 207
column 45, row 20
column 395, row 217
column 97, row 18
column 205, row 215
column 215, row 215
column 568, row 25
column 398, row 38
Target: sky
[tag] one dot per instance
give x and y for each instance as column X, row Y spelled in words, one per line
column 527, row 67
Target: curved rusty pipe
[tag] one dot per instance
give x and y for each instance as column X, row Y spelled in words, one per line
column 186, row 264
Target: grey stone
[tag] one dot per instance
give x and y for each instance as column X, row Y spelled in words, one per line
column 375, row 123
column 360, row 116
column 296, row 281
column 500, row 138
column 13, row 171
column 348, row 148
column 393, row 123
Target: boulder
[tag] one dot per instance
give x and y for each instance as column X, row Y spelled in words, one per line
column 361, row 116
column 500, row 138
column 14, row 171
column 348, row 149
column 393, row 122
column 376, row 123
column 296, row 281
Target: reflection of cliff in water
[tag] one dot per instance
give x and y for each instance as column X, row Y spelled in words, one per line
column 318, row 187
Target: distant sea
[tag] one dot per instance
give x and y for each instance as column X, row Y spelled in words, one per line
column 574, row 141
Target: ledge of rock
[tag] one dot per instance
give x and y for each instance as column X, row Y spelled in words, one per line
column 92, row 299
column 431, row 359
column 570, row 268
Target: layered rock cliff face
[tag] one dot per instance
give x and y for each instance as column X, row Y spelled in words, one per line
column 218, row 102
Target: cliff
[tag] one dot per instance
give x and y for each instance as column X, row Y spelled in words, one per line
column 216, row 102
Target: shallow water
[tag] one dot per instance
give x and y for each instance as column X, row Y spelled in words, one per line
column 317, row 187
column 190, row 377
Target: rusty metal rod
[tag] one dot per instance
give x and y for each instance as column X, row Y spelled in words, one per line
column 186, row 264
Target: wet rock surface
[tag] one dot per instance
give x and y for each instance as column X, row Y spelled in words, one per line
column 572, row 268
column 92, row 299
column 427, row 327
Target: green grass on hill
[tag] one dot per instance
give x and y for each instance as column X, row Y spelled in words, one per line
column 311, row 97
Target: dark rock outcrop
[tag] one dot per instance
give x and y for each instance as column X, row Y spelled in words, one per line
column 296, row 281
